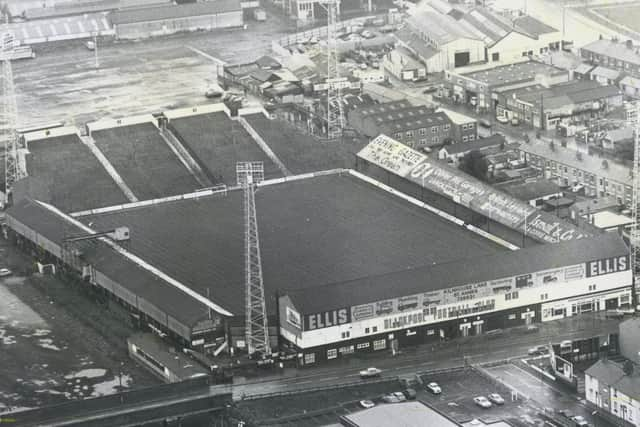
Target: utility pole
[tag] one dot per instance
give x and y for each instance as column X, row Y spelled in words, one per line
column 634, row 235
column 249, row 175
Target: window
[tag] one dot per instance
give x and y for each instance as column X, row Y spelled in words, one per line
column 374, row 329
column 423, row 131
column 446, row 127
column 332, row 353
column 435, row 139
column 362, row 345
column 464, row 127
column 423, row 141
column 398, row 135
column 470, row 126
column 347, row 349
column 430, row 332
column 409, row 134
column 345, row 334
column 434, row 129
column 495, row 56
column 512, row 317
column 309, row 358
column 465, row 138
column 472, row 137
column 366, row 330
column 524, row 53
column 544, row 296
column 511, row 295
column 592, row 287
column 379, row 345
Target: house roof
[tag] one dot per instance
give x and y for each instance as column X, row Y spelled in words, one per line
column 563, row 94
column 630, row 81
column 531, row 190
column 478, row 144
column 608, row 219
column 415, row 43
column 369, row 110
column 408, row 113
column 266, row 61
column 408, row 61
column 612, row 374
column 591, row 164
column 160, row 13
column 583, row 68
column 409, row 123
column 533, row 26
column 605, row 72
column 615, row 50
column 596, row 205
column 456, row 273
column 519, row 72
column 620, row 134
column 458, row 118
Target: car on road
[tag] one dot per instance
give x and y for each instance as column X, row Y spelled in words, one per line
column 515, row 122
column 410, row 394
column 496, row 398
column 5, row 272
column 367, row 34
column 580, row 421
column 566, row 413
column 366, row 404
column 538, row 350
column 502, row 119
column 370, row 373
column 430, row 89
column 434, row 388
column 395, row 397
column 484, row 123
column 482, row 402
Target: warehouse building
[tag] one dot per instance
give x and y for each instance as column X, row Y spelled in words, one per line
column 171, row 19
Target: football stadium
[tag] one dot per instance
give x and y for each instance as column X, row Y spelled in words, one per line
column 400, row 251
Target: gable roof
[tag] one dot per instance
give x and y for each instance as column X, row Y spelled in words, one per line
column 612, row 374
column 615, row 50
column 533, row 26
column 159, row 13
column 441, row 28
column 606, row 72
column 531, row 190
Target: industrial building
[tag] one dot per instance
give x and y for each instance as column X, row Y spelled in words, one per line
column 170, row 19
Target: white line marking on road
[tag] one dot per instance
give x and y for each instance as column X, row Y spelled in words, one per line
column 206, row 55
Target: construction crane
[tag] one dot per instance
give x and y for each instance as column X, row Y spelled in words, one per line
column 12, row 169
column 634, row 236
column 335, row 113
column 249, row 175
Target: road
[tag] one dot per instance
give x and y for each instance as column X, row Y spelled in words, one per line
column 413, row 360
column 62, row 83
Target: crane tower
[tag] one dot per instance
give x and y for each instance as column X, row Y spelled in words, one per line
column 335, row 114
column 249, row 175
column 13, row 171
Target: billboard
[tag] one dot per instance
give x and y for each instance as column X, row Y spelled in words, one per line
column 607, row 266
column 293, row 318
column 468, row 191
column 327, row 319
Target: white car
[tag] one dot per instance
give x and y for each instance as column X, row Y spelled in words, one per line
column 396, row 397
column 580, row 421
column 482, row 402
column 366, row 404
column 370, row 373
column 502, row 119
column 5, row 272
column 496, row 398
column 434, row 388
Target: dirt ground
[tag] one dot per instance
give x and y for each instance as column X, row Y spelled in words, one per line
column 57, row 342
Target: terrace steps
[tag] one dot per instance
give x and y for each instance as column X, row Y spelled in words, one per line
column 264, row 146
column 113, row 173
column 187, row 160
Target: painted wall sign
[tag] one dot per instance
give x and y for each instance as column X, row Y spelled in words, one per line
column 607, row 266
column 293, row 318
column 327, row 319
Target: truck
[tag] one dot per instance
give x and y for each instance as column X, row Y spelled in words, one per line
column 259, row 14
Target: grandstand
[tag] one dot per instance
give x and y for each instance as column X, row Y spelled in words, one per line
column 216, row 142
column 312, row 231
column 302, row 153
column 64, row 172
column 145, row 161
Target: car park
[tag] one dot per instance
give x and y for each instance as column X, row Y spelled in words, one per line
column 496, row 398
column 366, row 404
column 395, row 397
column 482, row 402
column 370, row 373
column 434, row 388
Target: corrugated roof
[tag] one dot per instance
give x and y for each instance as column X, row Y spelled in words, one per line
column 532, row 26
column 415, row 43
column 461, row 272
column 160, row 13
column 615, row 50
column 441, row 28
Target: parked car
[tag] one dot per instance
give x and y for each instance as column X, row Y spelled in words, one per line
column 502, row 119
column 5, row 272
column 538, row 350
column 496, row 398
column 410, row 394
column 580, row 421
column 395, row 397
column 566, row 413
column 482, row 402
column 370, row 373
column 484, row 123
column 366, row 404
column 434, row 388
column 367, row 34
column 515, row 122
